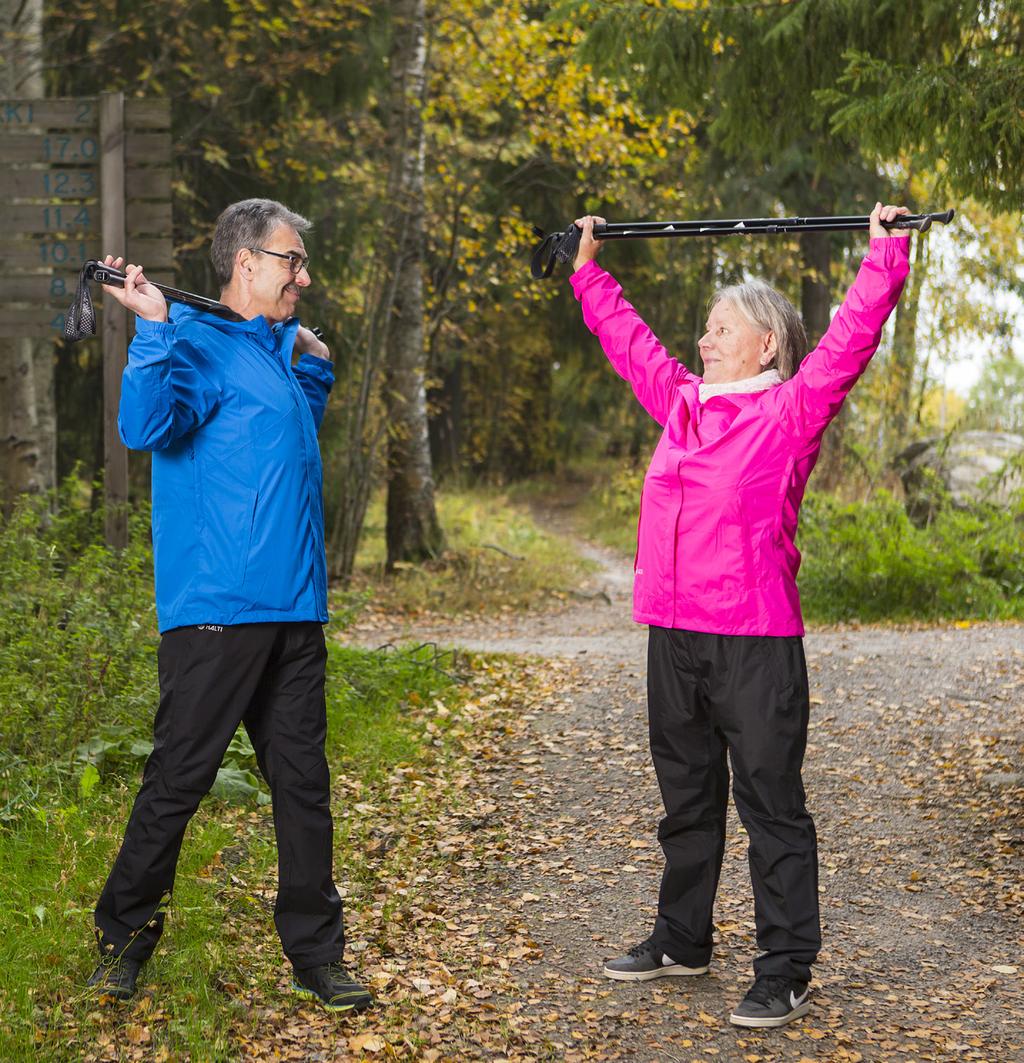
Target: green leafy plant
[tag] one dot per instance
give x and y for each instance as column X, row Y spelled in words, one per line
column 117, row 750
column 77, row 626
column 868, row 561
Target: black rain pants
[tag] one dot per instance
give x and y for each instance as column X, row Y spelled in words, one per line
column 745, row 698
column 270, row 677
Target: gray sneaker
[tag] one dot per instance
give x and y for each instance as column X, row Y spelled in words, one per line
column 772, row 1001
column 646, row 961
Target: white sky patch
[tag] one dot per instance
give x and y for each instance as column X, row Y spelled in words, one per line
column 956, row 359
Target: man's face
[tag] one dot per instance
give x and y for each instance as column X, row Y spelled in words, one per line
column 274, row 290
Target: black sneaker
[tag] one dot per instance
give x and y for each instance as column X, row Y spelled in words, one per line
column 116, row 977
column 772, row 1001
column 332, row 986
column 646, row 961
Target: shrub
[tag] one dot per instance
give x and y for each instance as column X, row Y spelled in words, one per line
column 77, row 627
column 868, row 561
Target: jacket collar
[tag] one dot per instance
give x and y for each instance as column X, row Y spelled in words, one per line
column 274, row 337
column 761, row 382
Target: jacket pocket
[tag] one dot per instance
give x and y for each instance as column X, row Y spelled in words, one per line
column 226, row 531
column 780, row 500
column 249, row 525
column 197, row 486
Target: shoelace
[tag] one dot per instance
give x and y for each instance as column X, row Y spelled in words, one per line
column 639, row 950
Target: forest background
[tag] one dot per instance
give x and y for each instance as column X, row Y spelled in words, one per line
column 424, row 140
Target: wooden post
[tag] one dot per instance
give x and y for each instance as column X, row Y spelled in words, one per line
column 115, row 317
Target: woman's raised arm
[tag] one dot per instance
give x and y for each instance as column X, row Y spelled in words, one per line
column 635, row 353
column 813, row 396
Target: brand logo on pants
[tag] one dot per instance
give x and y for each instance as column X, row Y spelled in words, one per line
column 209, row 627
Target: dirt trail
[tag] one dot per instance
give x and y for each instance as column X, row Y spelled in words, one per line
column 915, row 740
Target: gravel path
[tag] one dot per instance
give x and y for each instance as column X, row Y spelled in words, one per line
column 915, row 744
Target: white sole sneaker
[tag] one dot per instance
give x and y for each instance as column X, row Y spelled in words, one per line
column 776, row 1020
column 670, row 970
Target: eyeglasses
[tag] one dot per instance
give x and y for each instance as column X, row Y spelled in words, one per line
column 296, row 263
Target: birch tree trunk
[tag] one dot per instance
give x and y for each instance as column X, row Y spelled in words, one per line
column 28, row 425
column 413, row 531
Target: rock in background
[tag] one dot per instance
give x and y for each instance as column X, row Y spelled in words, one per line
column 969, row 467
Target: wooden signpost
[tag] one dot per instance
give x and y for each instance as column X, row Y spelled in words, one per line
column 80, row 178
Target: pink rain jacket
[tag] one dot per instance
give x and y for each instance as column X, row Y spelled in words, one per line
column 718, row 512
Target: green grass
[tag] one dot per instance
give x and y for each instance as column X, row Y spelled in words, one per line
column 219, row 943
column 54, row 866
column 497, row 559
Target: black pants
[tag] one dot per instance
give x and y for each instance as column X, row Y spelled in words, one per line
column 745, row 697
column 271, row 678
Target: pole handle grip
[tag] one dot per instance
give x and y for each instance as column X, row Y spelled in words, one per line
column 922, row 222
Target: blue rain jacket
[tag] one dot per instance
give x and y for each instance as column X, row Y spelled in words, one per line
column 238, row 521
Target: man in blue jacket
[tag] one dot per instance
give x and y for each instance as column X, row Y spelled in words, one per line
column 241, row 588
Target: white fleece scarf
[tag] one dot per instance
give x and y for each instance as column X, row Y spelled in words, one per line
column 762, row 382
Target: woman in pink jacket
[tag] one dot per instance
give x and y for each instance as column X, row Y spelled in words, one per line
column 715, row 579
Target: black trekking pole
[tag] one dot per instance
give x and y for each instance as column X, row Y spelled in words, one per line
column 562, row 246
column 80, row 320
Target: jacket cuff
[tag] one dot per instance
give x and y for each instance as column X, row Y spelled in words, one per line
column 585, row 276
column 152, row 342
column 144, row 325
column 320, row 368
column 890, row 251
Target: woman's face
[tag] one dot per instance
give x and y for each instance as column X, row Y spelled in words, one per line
column 732, row 348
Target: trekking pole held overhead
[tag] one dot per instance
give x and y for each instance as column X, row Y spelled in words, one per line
column 562, row 246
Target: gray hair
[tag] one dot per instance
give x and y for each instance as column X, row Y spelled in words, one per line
column 770, row 311
column 248, row 223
